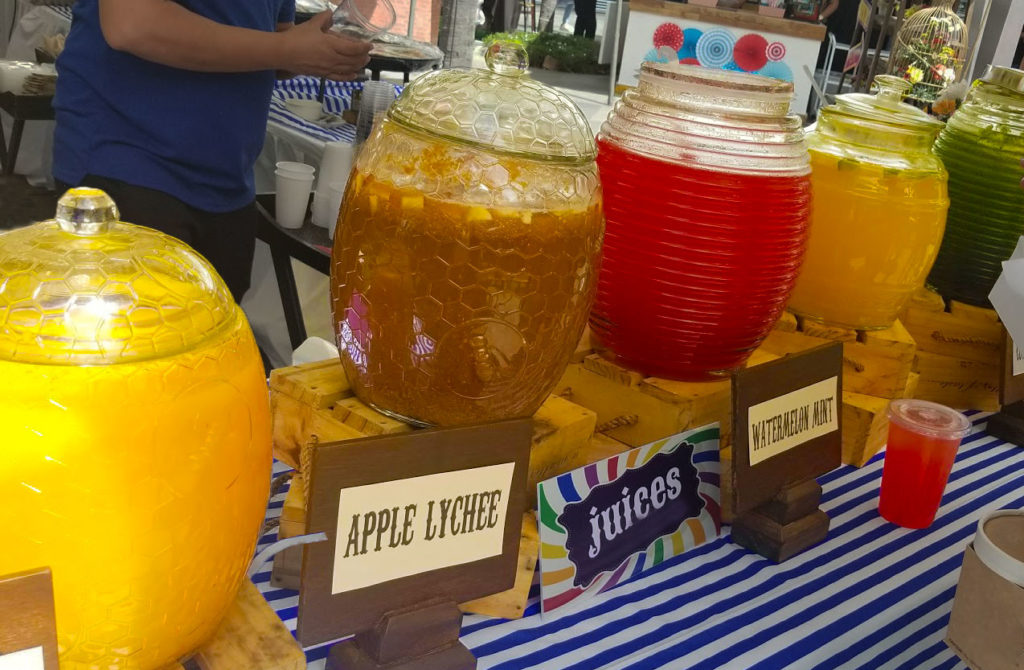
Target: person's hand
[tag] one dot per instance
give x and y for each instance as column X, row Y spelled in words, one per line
column 310, row 49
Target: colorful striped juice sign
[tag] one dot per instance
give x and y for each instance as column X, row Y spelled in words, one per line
column 607, row 522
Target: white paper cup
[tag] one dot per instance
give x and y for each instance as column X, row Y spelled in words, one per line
column 337, row 162
column 292, row 198
column 310, row 110
column 321, row 207
column 336, row 193
column 293, row 167
column 1000, row 546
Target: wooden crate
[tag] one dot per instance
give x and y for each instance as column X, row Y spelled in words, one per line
column 313, row 405
column 878, row 366
column 251, row 636
column 875, row 363
column 633, row 410
column 959, row 350
column 637, row 410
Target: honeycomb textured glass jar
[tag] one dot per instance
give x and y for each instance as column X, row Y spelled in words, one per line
column 467, row 247
column 135, row 434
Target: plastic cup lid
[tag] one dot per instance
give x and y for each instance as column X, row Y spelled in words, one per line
column 929, row 418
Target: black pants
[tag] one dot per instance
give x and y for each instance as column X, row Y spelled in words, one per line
column 586, row 18
column 226, row 239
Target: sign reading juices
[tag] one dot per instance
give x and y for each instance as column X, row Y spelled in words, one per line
column 419, row 517
column 604, row 523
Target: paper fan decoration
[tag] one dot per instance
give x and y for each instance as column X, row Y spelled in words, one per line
column 776, row 70
column 775, row 51
column 750, row 52
column 653, row 56
column 731, row 65
column 668, row 35
column 714, row 48
column 689, row 61
column 667, row 54
column 690, row 38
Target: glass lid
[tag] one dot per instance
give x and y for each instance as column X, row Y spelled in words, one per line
column 499, row 108
column 1007, row 77
column 716, row 91
column 88, row 289
column 887, row 106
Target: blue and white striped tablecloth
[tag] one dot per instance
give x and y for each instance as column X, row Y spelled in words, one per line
column 62, row 10
column 337, row 98
column 873, row 595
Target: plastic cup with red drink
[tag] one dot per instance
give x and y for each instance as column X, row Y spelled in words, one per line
column 923, row 439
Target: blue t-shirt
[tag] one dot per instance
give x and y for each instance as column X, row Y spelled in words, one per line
column 193, row 135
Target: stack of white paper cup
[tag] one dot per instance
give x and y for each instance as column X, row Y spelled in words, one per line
column 294, row 184
column 335, row 194
column 334, row 169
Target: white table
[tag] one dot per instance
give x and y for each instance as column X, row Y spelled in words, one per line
column 32, row 24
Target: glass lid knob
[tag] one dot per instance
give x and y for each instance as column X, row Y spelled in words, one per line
column 891, row 90
column 86, row 211
column 507, row 57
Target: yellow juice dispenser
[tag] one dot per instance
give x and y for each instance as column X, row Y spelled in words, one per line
column 135, row 434
column 879, row 211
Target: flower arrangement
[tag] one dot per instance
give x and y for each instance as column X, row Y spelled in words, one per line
column 930, row 53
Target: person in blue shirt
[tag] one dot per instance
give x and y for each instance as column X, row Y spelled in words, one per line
column 164, row 103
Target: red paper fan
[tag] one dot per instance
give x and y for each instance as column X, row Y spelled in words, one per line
column 689, row 61
column 749, row 52
column 668, row 35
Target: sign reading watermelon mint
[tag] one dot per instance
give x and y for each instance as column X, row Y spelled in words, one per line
column 608, row 521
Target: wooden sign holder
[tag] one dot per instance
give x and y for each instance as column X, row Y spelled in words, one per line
column 410, row 622
column 422, row 637
column 1008, row 424
column 776, row 500
column 27, row 617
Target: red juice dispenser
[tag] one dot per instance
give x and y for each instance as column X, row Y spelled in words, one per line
column 707, row 196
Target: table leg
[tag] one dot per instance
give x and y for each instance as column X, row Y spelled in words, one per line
column 289, row 295
column 12, row 153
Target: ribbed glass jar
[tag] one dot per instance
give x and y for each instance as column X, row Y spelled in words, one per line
column 707, row 197
column 879, row 210
column 981, row 147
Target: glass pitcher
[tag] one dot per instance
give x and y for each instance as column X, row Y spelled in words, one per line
column 981, row 147
column 707, row 195
column 135, row 427
column 879, row 210
column 466, row 254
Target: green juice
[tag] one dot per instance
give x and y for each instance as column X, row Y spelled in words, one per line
column 981, row 147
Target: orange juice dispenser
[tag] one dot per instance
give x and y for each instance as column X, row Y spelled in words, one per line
column 135, row 434
column 879, row 209
column 466, row 255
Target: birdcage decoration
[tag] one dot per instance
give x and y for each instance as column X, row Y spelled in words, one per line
column 930, row 51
